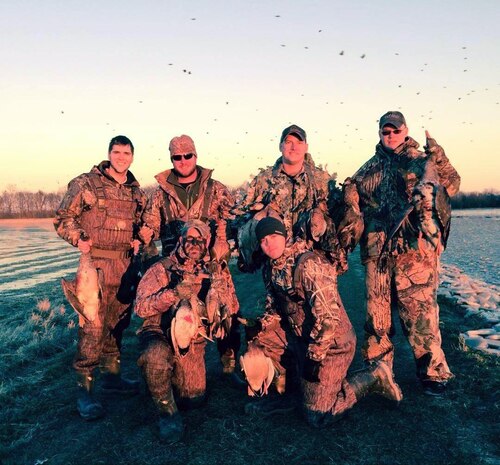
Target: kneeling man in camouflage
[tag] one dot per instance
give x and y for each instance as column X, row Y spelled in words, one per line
column 305, row 342
column 180, row 299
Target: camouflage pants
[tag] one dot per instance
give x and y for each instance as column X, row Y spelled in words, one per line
column 410, row 283
column 101, row 344
column 164, row 371
column 321, row 401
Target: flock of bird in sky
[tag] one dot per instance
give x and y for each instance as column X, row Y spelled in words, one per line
column 341, row 53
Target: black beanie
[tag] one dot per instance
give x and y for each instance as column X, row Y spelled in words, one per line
column 269, row 225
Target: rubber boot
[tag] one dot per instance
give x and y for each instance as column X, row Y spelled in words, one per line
column 170, row 425
column 191, row 403
column 88, row 407
column 272, row 404
column 376, row 379
column 228, row 360
column 113, row 383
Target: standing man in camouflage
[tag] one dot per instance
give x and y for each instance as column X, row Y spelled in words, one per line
column 404, row 196
column 305, row 330
column 290, row 190
column 185, row 192
column 173, row 297
column 99, row 214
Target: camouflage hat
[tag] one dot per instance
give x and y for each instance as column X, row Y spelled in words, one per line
column 269, row 225
column 181, row 145
column 393, row 118
column 294, row 130
column 200, row 226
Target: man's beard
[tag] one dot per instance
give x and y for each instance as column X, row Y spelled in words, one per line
column 202, row 251
column 180, row 175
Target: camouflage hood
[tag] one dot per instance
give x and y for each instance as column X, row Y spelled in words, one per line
column 205, row 233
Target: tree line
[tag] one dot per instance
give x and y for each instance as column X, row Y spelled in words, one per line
column 486, row 199
column 40, row 204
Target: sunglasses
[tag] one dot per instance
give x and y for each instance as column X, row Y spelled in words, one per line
column 194, row 241
column 186, row 156
column 396, row 131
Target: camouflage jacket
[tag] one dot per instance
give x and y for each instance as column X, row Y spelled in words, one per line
column 385, row 186
column 165, row 212
column 289, row 196
column 157, row 293
column 100, row 208
column 302, row 290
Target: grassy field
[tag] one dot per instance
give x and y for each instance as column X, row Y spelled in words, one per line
column 39, row 423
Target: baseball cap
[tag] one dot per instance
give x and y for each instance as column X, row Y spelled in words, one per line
column 181, row 145
column 296, row 131
column 269, row 225
column 394, row 118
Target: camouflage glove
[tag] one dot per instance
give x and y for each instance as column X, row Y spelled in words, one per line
column 252, row 327
column 310, row 371
column 317, row 224
column 146, row 234
column 431, row 147
column 185, row 290
column 350, row 229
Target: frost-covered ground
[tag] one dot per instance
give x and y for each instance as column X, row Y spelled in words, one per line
column 470, row 275
column 31, row 254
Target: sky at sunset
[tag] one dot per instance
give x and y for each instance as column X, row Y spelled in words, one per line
column 233, row 74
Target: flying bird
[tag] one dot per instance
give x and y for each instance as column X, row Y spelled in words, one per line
column 341, row 53
column 362, row 56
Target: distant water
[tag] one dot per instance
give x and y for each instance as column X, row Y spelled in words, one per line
column 473, row 244
column 32, row 257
